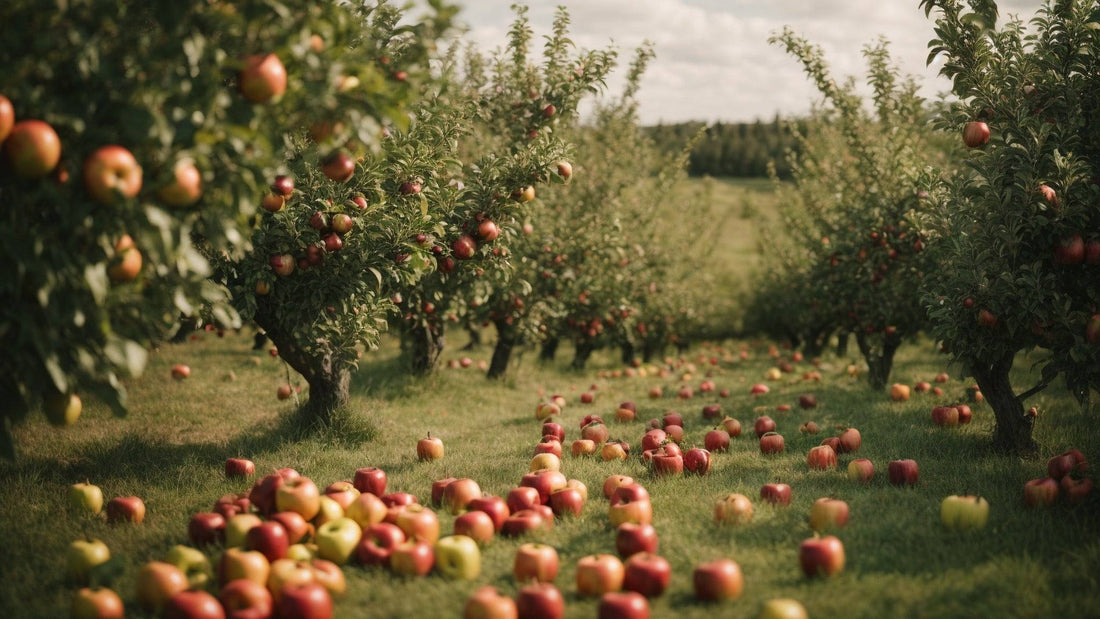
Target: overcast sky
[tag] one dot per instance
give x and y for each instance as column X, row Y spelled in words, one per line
column 713, row 58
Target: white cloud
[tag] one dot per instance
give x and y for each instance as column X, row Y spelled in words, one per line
column 713, row 59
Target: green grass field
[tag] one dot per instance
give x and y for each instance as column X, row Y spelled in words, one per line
column 900, row 561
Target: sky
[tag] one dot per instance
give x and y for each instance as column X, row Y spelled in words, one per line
column 714, row 62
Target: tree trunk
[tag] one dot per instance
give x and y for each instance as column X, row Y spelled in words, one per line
column 507, row 338
column 880, row 361
column 1012, row 434
column 628, row 353
column 329, row 376
column 580, row 357
column 650, row 349
column 815, row 344
column 423, row 343
column 188, row 325
column 842, row 343
column 549, row 350
column 475, row 338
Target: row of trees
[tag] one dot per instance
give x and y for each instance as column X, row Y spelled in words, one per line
column 990, row 248
column 741, row 150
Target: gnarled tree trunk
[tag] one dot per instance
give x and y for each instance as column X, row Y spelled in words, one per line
column 507, row 339
column 475, row 338
column 328, row 375
column 880, row 361
column 549, row 350
column 1012, row 434
column 583, row 351
column 423, row 343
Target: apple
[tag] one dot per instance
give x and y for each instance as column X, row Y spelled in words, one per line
column 595, row 431
column 298, row 495
column 807, row 401
column 238, row 563
column 1070, row 250
column 237, row 528
column 263, row 490
column 1075, row 490
column 295, row 526
column 206, row 528
column 526, row 521
column 269, row 538
column 734, row 509
column 783, row 608
column 156, row 583
column 546, row 482
column 903, row 472
column 1065, row 463
column 457, row 557
column 732, row 427
column 850, row 441
column 623, row 605
column 717, row 440
column 111, row 171
column 647, row 573
column 301, row 551
column 1040, row 492
column 718, row 580
column 86, row 498
column 672, row 419
column 262, row 78
column 821, row 556
column 826, row 513
column 899, row 392
column 126, row 509
column 963, row 513
column 33, row 148
column 545, row 410
column 613, row 482
column 862, row 470
column 776, row 494
column 476, row 525
column 7, row 118
column 412, row 558
column 549, row 444
column 631, row 538
column 239, row 467
column 975, row 134
column 759, row 389
column 343, row 492
column 535, row 562
column 524, row 497
column 675, row 433
column 338, row 166
column 488, row 603
column 309, row 600
column 763, row 425
column 378, row 542
column 185, row 187
column 697, row 460
column 550, row 428
column 418, row 522
column 464, row 247
column 945, row 416
column 566, row 501
column 613, row 450
column 667, row 462
column 429, row 448
column 833, row 442
column 809, row 427
column 96, row 603
column 62, row 409
column 245, row 599
column 821, row 458
column 494, row 506
column 193, row 605
column 458, row 494
column 82, row 556
column 565, row 169
column 194, row 564
column 771, row 443
column 579, row 486
column 599, row 574
column 342, row 223
column 337, row 539
column 965, row 414
column 366, row 510
column 653, row 439
column 540, row 600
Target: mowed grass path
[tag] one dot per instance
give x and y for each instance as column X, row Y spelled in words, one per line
column 900, row 560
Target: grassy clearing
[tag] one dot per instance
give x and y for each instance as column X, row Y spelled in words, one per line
column 900, row 561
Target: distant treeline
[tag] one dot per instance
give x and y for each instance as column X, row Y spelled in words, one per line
column 732, row 149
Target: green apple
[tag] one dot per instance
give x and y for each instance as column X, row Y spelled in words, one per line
column 963, row 513
column 783, row 608
column 86, row 497
column 194, row 564
column 82, row 556
column 458, row 557
column 62, row 409
column 337, row 539
column 237, row 527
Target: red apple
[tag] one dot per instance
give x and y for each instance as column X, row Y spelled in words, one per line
column 771, row 443
column 269, row 539
column 263, row 78
column 245, row 599
column 599, row 574
column 776, row 494
column 763, row 425
column 1040, row 492
column 412, row 558
column 903, row 472
column 487, row 603
column 458, row 494
column 343, row 492
column 206, row 528
column 239, row 467
column 370, row 480
column 429, row 448
column 975, row 134
column 525, row 521
column 697, row 460
column 862, row 470
column 305, row 601
column 535, row 562
column 111, row 171
column 828, row 513
column 717, row 580
column 647, row 573
column 193, row 605
column 297, row 528
column 821, row 556
column 378, row 543
column 850, row 441
column 540, row 600
column 717, row 440
column 126, row 509
column 566, row 501
column 464, row 247
column 631, row 538
column 33, row 148
column 550, row 428
column 494, row 506
column 477, row 525
column 732, row 427
column 1075, row 490
column 338, row 166
column 821, row 458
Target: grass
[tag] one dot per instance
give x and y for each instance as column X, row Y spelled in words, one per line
column 900, row 560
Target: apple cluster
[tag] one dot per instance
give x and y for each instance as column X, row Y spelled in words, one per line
column 1065, row 478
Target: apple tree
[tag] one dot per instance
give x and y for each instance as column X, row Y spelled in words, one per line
column 517, row 110
column 136, row 144
column 857, row 212
column 1020, row 267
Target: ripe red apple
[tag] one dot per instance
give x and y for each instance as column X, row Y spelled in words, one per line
column 975, row 134
column 771, row 443
column 239, row 467
column 535, row 562
column 378, row 542
column 632, row 538
column 807, row 401
column 945, row 416
column 297, row 527
column 647, row 573
column 342, row 223
column 338, row 166
column 185, row 187
column 1070, row 250
column 245, row 599
column 861, row 469
column 821, row 458
column 828, row 513
column 613, row 482
column 269, row 539
column 33, row 148
column 262, row 79
column 523, row 521
column 763, row 425
column 566, row 501
column 903, row 472
column 7, row 118
column 667, row 463
column 1040, row 492
column 565, row 169
column 540, row 599
column 371, row 480
column 429, row 448
column 126, row 509
column 1075, row 490
column 477, row 525
column 732, row 427
column 195, row 604
column 458, row 494
column 310, row 600
column 550, row 428
column 599, row 574
column 776, row 494
column 464, row 247
column 850, row 441
column 282, row 264
column 623, row 605
column 111, row 171
column 821, row 556
column 488, row 603
column 206, row 528
column 549, row 444
column 697, row 460
column 717, row 580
